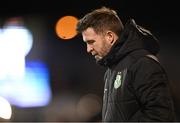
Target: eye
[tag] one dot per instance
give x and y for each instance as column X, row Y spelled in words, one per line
column 90, row 41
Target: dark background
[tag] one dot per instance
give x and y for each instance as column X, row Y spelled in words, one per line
column 74, row 73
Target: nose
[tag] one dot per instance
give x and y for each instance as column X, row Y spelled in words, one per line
column 89, row 48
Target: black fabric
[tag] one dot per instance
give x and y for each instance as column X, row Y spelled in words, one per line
column 144, row 93
column 132, row 38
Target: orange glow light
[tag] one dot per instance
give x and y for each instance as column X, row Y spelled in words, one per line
column 66, row 27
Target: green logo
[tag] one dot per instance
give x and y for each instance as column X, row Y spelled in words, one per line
column 117, row 82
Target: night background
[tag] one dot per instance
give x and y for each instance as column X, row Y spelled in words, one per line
column 75, row 80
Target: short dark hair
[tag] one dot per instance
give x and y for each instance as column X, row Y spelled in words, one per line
column 100, row 20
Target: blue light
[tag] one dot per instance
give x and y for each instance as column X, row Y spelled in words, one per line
column 31, row 91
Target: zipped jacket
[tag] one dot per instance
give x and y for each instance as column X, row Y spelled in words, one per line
column 136, row 85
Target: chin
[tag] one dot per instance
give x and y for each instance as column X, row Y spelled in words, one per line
column 98, row 58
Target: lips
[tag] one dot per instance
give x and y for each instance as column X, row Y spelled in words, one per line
column 93, row 54
column 96, row 56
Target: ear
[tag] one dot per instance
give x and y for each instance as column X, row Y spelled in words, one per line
column 110, row 37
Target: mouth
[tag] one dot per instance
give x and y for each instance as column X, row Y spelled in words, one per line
column 96, row 56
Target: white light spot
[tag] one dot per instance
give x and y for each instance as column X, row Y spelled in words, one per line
column 5, row 107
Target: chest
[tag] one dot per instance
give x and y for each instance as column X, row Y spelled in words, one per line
column 118, row 86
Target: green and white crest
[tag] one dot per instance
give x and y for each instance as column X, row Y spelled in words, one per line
column 117, row 82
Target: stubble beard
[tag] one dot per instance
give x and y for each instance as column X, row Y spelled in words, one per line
column 106, row 49
column 98, row 58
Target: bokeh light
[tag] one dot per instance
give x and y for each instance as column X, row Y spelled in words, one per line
column 20, row 77
column 66, row 27
column 88, row 107
column 5, row 107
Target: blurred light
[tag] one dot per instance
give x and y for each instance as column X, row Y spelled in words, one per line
column 5, row 109
column 35, row 85
column 19, row 38
column 31, row 91
column 88, row 107
column 22, row 83
column 15, row 44
column 66, row 27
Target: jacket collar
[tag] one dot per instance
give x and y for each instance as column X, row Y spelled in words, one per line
column 132, row 38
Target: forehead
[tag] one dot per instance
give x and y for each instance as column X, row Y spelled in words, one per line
column 89, row 34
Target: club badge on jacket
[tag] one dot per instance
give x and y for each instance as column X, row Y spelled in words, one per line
column 117, row 82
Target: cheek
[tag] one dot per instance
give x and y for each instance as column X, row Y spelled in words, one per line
column 105, row 49
column 99, row 46
column 101, row 49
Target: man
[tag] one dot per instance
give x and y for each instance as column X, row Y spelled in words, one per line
column 136, row 85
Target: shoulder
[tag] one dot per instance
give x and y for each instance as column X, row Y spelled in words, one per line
column 147, row 71
column 147, row 65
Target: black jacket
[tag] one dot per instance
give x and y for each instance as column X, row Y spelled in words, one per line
column 136, row 85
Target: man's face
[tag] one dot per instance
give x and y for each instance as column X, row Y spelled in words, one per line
column 97, row 44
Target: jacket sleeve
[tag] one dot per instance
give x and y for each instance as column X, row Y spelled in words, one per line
column 152, row 89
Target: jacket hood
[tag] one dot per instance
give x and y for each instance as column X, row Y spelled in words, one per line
column 133, row 37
